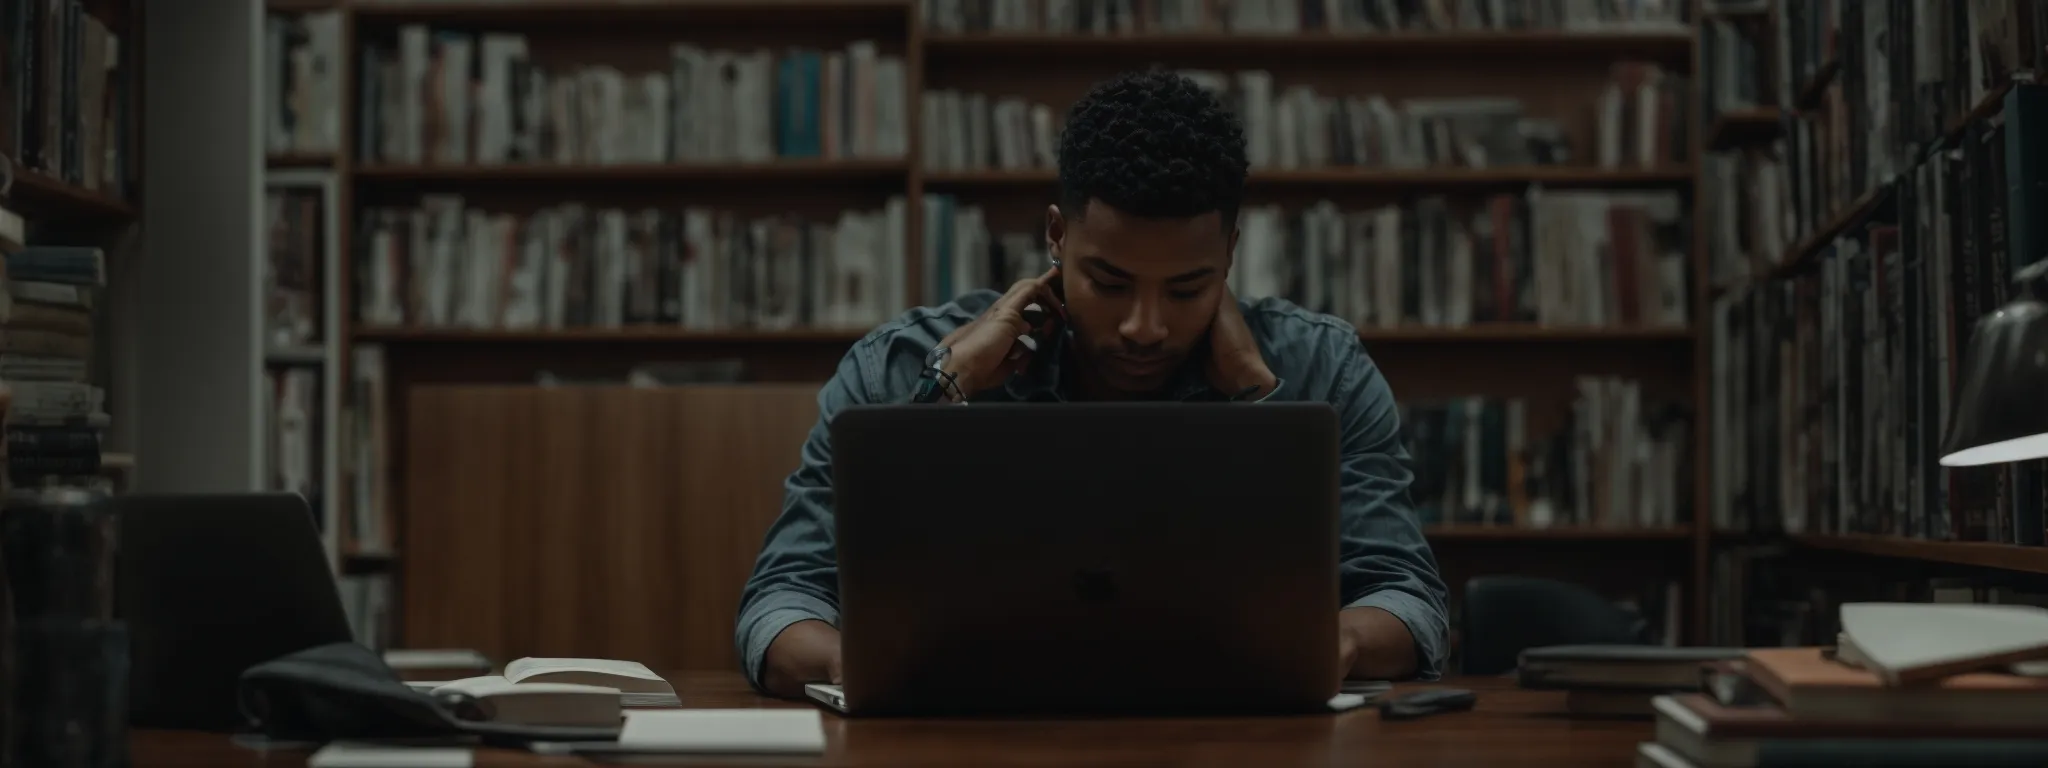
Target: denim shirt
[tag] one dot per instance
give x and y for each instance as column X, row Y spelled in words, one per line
column 1384, row 561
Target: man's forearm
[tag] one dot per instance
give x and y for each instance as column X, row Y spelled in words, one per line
column 1386, row 650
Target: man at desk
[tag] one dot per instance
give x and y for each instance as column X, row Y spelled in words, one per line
column 1151, row 174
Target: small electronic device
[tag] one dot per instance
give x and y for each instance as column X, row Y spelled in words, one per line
column 1426, row 702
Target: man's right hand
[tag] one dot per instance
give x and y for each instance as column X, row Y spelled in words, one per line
column 805, row 652
column 986, row 351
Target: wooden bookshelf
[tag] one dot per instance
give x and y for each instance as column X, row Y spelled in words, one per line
column 1815, row 87
column 1989, row 105
column 300, row 161
column 1803, row 252
column 1934, row 233
column 62, row 184
column 2005, row 557
column 38, row 196
column 1735, row 129
column 1558, row 74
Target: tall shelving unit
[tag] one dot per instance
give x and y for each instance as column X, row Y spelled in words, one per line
column 1907, row 211
column 1557, row 72
column 93, row 105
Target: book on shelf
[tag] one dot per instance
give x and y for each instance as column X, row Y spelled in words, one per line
column 293, row 266
column 447, row 265
column 1746, row 211
column 1616, row 459
column 302, row 66
column 64, row 95
column 364, row 469
column 1734, row 76
column 1126, row 17
column 293, row 428
column 367, row 517
column 453, row 97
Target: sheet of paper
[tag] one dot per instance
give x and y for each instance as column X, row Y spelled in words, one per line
column 766, row 731
column 345, row 754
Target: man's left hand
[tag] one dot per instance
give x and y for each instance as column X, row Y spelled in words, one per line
column 1235, row 364
column 1373, row 644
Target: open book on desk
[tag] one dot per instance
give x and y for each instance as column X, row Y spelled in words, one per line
column 637, row 685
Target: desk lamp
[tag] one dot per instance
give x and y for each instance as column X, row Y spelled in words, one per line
column 2002, row 406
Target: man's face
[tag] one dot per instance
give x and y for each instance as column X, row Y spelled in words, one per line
column 1140, row 292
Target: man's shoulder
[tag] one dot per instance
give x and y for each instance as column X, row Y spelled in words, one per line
column 1318, row 356
column 925, row 326
column 1283, row 327
column 894, row 351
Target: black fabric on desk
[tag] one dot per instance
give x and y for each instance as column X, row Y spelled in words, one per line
column 346, row 691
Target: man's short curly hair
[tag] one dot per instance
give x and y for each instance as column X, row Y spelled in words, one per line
column 1152, row 144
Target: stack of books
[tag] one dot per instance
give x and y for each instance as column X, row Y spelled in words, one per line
column 1906, row 684
column 56, row 419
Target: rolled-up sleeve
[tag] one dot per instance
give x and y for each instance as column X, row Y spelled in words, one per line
column 796, row 576
column 1384, row 562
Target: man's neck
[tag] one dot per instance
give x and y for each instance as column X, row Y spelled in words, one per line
column 1084, row 383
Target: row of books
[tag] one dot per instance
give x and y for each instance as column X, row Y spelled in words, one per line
column 450, row 97
column 302, row 64
column 64, row 95
column 1611, row 459
column 1639, row 121
column 447, row 264
column 1891, row 101
column 1734, row 70
column 294, row 224
column 1747, row 213
column 1123, row 17
column 1834, row 389
column 1565, row 259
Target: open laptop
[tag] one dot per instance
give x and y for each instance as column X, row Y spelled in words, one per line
column 1088, row 558
column 209, row 585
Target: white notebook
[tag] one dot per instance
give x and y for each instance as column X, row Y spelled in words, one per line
column 726, row 731
column 345, row 754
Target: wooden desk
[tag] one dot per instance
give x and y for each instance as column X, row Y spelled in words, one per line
column 1509, row 727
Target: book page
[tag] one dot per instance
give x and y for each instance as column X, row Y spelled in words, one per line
column 474, row 686
column 629, row 676
column 487, row 685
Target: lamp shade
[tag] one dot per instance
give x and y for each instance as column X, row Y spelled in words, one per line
column 2001, row 409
